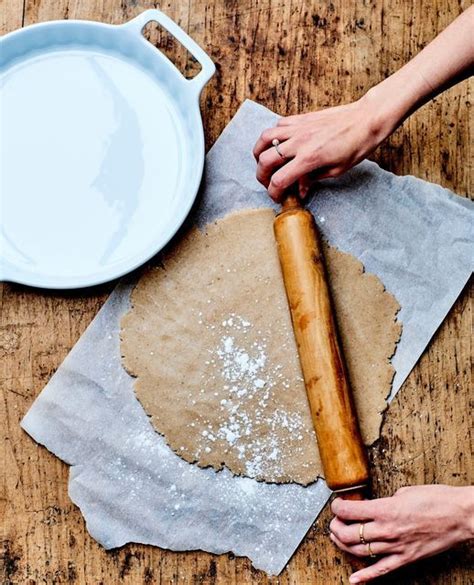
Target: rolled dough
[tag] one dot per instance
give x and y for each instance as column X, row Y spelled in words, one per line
column 210, row 341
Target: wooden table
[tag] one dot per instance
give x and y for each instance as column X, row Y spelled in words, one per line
column 292, row 56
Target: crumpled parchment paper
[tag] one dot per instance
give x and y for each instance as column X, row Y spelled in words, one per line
column 416, row 236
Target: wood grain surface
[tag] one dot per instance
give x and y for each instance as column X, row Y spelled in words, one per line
column 292, row 56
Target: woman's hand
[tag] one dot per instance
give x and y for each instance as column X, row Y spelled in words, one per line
column 317, row 145
column 329, row 142
column 415, row 523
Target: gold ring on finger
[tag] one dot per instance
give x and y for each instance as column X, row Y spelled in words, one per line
column 369, row 551
column 361, row 533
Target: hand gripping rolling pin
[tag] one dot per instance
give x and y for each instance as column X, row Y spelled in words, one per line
column 332, row 408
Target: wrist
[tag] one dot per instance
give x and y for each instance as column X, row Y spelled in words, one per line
column 392, row 100
column 386, row 110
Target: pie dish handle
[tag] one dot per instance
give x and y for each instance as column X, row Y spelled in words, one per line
column 208, row 68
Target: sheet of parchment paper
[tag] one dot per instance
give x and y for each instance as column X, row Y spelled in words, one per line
column 417, row 237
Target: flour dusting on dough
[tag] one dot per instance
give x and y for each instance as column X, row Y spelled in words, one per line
column 243, row 371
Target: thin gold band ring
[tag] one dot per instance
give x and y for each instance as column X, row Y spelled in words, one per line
column 361, row 533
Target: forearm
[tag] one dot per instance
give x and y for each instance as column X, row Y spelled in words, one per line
column 326, row 143
column 449, row 58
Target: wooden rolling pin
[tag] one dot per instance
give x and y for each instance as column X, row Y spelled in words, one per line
column 334, row 417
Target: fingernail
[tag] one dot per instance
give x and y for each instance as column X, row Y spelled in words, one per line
column 353, row 579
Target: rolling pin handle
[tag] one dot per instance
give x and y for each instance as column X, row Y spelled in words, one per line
column 291, row 201
column 357, row 493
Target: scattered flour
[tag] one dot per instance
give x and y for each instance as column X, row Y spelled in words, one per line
column 250, row 381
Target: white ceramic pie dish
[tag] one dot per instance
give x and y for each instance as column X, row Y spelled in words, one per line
column 102, row 149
